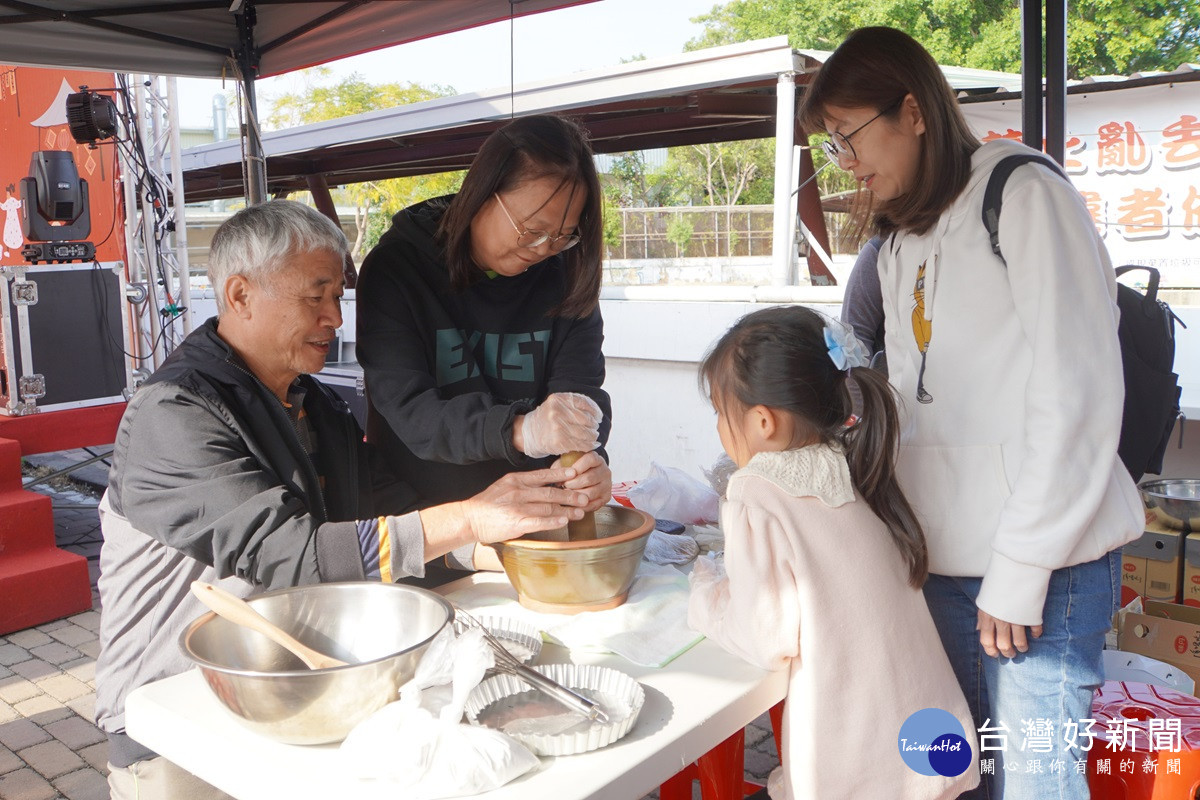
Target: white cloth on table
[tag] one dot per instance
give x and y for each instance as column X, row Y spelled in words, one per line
column 649, row 629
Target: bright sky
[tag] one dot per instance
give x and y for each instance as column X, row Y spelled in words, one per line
column 544, row 45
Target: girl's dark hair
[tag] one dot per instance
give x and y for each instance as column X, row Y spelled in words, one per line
column 778, row 358
column 527, row 148
column 875, row 68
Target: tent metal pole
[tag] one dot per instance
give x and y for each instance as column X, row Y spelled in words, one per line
column 256, row 164
column 1031, row 73
column 1056, row 79
column 132, row 316
column 150, row 255
column 782, row 253
column 319, row 189
column 183, row 294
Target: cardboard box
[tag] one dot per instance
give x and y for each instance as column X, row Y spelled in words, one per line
column 1133, row 578
column 1152, row 566
column 1167, row 632
column 1122, row 666
column 1191, row 570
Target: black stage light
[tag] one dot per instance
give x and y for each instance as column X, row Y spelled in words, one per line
column 55, row 209
column 91, row 117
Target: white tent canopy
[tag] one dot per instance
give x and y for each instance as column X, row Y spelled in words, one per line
column 244, row 38
column 198, row 37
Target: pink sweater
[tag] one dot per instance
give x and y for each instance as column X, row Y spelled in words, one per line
column 814, row 583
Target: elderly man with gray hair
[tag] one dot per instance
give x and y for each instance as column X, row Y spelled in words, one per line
column 233, row 466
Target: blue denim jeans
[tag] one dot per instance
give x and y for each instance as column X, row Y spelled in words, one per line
column 1052, row 683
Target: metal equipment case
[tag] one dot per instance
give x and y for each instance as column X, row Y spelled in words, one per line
column 61, row 337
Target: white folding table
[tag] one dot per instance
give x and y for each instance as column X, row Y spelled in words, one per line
column 692, row 705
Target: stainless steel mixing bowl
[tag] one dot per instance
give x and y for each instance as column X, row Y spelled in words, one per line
column 553, row 574
column 382, row 629
column 1175, row 502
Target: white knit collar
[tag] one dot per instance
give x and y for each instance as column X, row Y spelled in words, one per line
column 818, row 470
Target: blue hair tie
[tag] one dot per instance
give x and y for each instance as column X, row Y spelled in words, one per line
column 845, row 350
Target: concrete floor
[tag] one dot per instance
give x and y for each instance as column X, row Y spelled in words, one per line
column 49, row 747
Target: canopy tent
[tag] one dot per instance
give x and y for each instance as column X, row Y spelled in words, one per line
column 244, row 38
column 198, row 37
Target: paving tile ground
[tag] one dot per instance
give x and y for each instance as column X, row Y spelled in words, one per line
column 49, row 747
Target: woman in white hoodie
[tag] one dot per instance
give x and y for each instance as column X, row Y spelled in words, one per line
column 1011, row 389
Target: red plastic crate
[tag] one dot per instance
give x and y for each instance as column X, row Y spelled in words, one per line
column 1137, row 704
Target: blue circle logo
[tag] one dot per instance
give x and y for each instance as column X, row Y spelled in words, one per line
column 932, row 742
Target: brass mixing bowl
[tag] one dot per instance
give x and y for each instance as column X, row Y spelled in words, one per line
column 553, row 574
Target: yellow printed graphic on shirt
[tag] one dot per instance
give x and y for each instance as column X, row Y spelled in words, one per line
column 922, row 328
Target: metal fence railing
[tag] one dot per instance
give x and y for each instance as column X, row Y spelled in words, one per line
column 700, row 232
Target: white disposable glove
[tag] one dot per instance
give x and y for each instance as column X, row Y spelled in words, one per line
column 565, row 422
column 706, row 571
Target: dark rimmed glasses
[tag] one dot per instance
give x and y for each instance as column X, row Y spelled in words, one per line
column 535, row 239
column 839, row 149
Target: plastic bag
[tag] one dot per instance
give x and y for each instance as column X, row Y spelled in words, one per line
column 706, row 602
column 677, row 548
column 670, row 493
column 417, row 756
column 706, row 572
column 722, row 470
column 710, row 538
column 418, row 749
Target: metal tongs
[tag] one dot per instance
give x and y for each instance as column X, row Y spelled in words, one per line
column 509, row 664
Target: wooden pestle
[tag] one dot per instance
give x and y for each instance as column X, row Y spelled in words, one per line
column 239, row 612
column 585, row 528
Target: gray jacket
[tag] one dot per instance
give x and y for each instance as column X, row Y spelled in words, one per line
column 210, row 481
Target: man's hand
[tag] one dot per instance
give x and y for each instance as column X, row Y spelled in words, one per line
column 524, row 502
column 998, row 637
column 594, row 479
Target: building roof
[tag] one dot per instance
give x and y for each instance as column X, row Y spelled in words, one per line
column 717, row 94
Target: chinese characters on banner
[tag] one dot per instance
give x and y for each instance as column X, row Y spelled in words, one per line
column 1134, row 154
column 1121, row 746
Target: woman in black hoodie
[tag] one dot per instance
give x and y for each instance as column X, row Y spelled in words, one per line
column 479, row 327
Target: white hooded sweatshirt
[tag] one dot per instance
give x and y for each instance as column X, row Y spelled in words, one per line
column 1010, row 460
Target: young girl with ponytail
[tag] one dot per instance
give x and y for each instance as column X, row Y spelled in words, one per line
column 823, row 567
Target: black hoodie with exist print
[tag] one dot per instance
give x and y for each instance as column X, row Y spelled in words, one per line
column 447, row 371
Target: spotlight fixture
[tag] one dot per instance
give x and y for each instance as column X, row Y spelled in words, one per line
column 91, row 117
column 54, row 211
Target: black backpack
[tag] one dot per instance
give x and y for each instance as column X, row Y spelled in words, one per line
column 1147, row 338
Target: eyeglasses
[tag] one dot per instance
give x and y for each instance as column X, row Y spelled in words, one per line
column 839, row 149
column 535, row 239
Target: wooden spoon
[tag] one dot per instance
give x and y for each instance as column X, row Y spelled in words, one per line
column 578, row 530
column 239, row 612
